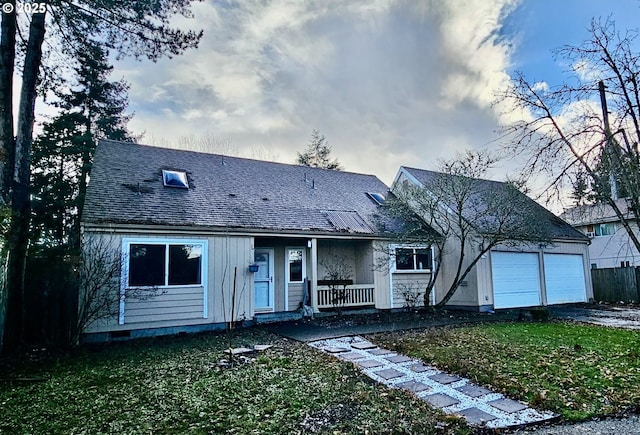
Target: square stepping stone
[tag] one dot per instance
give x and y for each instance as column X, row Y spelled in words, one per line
column 508, row 405
column 369, row 364
column 398, row 359
column 363, row 345
column 388, row 374
column 474, row 416
column 350, row 356
column 380, row 352
column 413, row 386
column 472, row 390
column 335, row 349
column 444, row 378
column 418, row 368
column 440, row 400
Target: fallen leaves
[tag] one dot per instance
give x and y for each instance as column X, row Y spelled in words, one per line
column 579, row 371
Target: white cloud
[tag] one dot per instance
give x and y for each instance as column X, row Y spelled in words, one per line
column 387, row 82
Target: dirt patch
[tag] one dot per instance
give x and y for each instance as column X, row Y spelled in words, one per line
column 328, row 417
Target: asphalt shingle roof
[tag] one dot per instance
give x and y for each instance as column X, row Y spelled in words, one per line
column 557, row 228
column 126, row 188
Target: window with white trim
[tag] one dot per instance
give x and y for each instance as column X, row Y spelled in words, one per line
column 607, row 229
column 295, row 265
column 413, row 259
column 164, row 264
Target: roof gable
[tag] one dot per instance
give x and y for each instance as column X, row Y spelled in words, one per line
column 556, row 227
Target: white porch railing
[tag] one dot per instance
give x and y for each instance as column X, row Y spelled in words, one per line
column 357, row 295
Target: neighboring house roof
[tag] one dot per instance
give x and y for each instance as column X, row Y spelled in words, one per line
column 126, row 187
column 556, row 227
column 596, row 213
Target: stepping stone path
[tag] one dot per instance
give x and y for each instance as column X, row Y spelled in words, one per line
column 452, row 394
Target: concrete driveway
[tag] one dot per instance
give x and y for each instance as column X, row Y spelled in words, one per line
column 603, row 315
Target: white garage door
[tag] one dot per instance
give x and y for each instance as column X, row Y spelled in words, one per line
column 516, row 279
column 564, row 277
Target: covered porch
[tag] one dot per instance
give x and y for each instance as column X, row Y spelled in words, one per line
column 320, row 273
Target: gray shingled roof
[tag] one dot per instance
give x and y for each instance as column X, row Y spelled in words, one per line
column 227, row 192
column 558, row 229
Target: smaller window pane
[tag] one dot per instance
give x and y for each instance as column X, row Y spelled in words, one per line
column 404, row 259
column 295, row 265
column 185, row 264
column 423, row 259
column 146, row 265
column 605, row 229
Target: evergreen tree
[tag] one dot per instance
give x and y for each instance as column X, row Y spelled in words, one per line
column 134, row 28
column 318, row 153
column 62, row 155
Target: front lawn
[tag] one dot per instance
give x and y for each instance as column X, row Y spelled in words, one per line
column 174, row 385
column 578, row 371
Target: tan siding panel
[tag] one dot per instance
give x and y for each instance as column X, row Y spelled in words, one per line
column 381, row 275
column 175, row 303
column 410, row 282
column 295, row 296
column 160, row 317
column 364, row 263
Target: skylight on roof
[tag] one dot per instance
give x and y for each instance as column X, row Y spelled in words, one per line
column 377, row 197
column 175, row 179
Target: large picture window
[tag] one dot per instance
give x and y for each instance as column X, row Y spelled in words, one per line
column 412, row 259
column 164, row 264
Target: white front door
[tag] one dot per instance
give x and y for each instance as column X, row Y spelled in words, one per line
column 263, row 280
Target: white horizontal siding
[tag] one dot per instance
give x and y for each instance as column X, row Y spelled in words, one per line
column 174, row 304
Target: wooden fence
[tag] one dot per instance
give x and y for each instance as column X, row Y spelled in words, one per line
column 616, row 284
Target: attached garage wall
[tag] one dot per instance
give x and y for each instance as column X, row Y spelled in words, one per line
column 516, row 279
column 564, row 278
column 545, row 275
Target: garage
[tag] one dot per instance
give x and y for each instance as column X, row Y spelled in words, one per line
column 516, row 279
column 564, row 278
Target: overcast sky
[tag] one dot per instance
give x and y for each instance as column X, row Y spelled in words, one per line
column 388, row 82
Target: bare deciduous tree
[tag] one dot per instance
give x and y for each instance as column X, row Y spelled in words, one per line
column 98, row 274
column 587, row 127
column 470, row 215
column 339, row 273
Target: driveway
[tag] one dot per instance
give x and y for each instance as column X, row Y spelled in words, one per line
column 602, row 315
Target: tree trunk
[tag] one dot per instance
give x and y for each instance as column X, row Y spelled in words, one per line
column 7, row 62
column 460, row 277
column 19, row 228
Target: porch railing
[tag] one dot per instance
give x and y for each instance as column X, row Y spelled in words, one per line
column 356, row 295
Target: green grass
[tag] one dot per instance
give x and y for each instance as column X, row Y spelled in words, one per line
column 575, row 370
column 174, row 386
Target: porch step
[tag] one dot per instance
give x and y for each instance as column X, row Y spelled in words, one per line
column 277, row 317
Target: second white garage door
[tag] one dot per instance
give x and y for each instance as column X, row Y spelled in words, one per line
column 516, row 279
column 564, row 278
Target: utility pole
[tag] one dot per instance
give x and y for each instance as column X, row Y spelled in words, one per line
column 609, row 150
